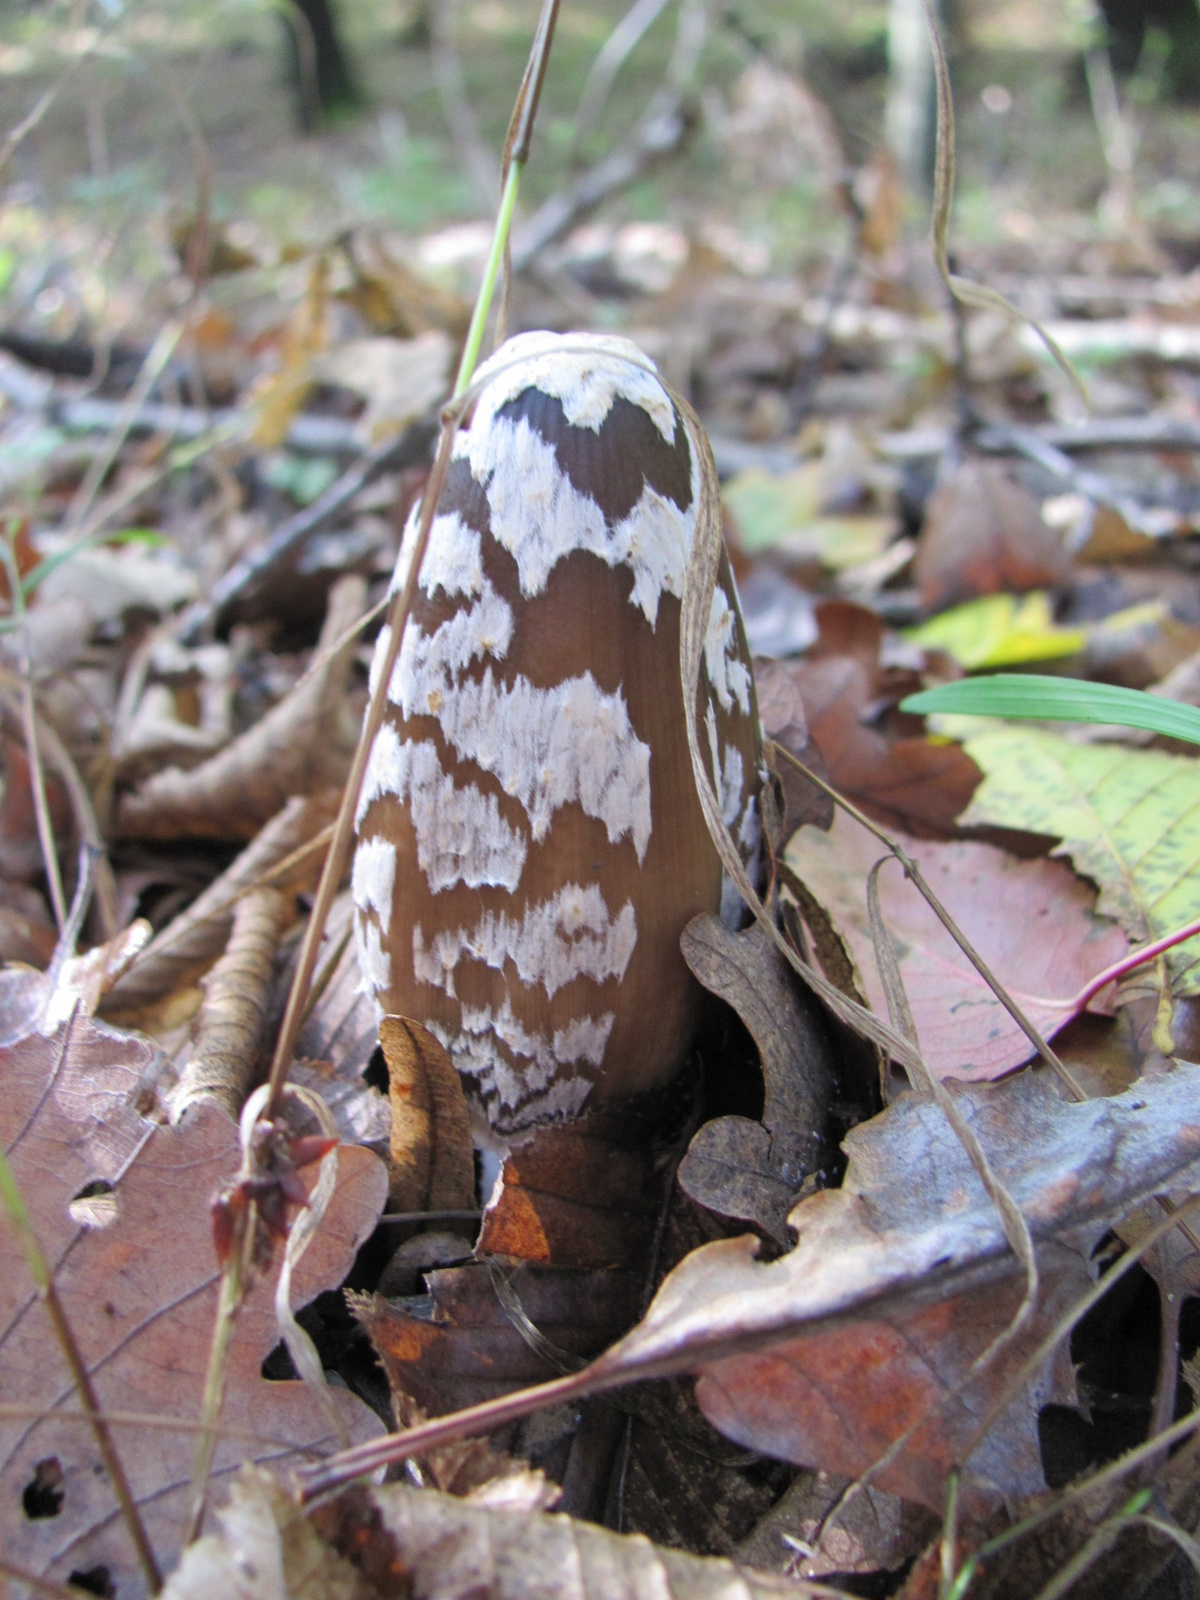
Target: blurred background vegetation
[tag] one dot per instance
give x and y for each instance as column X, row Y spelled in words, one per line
column 158, row 106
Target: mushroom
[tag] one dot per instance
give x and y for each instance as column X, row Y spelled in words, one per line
column 530, row 844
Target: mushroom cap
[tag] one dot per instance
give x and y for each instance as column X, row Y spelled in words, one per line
column 531, row 845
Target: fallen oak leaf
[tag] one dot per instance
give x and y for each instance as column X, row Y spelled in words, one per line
column 1033, row 922
column 399, row 1543
column 909, row 1235
column 734, row 1166
column 139, row 1283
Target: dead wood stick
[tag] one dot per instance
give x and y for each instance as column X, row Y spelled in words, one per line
column 658, row 135
column 199, row 934
column 409, row 449
column 230, row 1035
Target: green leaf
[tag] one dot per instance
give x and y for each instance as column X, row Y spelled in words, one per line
column 999, row 630
column 1128, row 819
column 1059, row 700
column 781, row 511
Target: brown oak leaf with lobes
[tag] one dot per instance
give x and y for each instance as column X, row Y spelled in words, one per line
column 138, row 1280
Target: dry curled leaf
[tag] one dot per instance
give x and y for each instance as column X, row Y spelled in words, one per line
column 398, row 1543
column 902, row 1277
column 845, row 685
column 176, row 955
column 302, row 745
column 1033, row 922
column 749, row 1170
column 229, row 1033
column 432, row 1166
column 983, row 532
column 138, row 1281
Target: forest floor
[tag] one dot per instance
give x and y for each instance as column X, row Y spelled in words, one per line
column 959, row 1359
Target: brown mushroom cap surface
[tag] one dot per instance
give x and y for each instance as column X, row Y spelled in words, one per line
column 530, row 841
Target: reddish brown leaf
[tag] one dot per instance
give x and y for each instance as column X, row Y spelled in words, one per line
column 581, row 1195
column 983, row 532
column 844, row 687
column 1033, row 922
column 902, row 1276
column 138, row 1280
column 472, row 1347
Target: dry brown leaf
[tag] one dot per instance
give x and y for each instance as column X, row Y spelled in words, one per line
column 229, row 1032
column 749, row 1170
column 179, row 953
column 844, row 686
column 302, row 745
column 983, row 532
column 140, row 1293
column 432, row 1166
column 902, row 1276
column 583, row 1194
column 1033, row 922
column 472, row 1347
column 398, row 1543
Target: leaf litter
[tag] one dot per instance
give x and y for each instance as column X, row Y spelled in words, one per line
column 876, row 1277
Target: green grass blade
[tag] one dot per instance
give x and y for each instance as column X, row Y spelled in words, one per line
column 1010, row 694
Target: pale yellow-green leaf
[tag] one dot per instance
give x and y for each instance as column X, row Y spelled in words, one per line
column 780, row 512
column 999, row 630
column 1128, row 819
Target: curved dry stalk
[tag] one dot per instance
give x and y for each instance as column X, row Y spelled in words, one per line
column 37, row 778
column 59, row 758
column 612, row 56
column 43, row 1279
column 517, row 149
column 963, row 290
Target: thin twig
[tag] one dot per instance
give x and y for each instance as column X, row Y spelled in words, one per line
column 520, row 132
column 612, row 56
column 153, row 366
column 37, row 778
column 407, row 449
column 21, row 131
